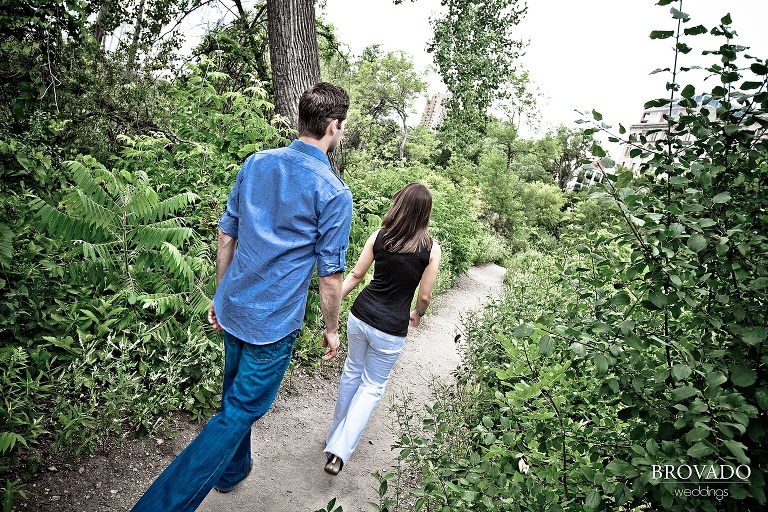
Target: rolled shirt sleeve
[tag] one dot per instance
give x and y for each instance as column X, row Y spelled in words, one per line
column 229, row 221
column 334, row 225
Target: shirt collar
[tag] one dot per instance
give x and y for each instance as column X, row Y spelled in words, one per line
column 310, row 150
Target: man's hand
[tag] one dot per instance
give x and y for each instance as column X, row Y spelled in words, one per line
column 330, row 302
column 330, row 340
column 212, row 319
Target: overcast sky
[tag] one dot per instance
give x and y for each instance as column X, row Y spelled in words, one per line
column 582, row 54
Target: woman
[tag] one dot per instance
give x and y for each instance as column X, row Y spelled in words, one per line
column 406, row 257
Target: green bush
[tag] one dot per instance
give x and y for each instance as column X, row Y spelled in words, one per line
column 637, row 351
column 455, row 212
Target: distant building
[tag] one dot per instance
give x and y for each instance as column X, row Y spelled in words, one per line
column 654, row 119
column 586, row 176
column 434, row 112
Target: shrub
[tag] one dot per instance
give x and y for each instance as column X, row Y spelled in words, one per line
column 641, row 351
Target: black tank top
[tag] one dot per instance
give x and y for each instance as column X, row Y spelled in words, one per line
column 385, row 304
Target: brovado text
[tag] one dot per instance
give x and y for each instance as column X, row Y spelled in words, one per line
column 702, row 473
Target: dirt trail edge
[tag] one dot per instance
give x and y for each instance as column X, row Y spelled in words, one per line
column 288, row 441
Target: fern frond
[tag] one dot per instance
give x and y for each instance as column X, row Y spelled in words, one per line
column 89, row 210
column 143, row 204
column 6, row 245
column 155, row 236
column 85, row 181
column 100, row 252
column 130, row 285
column 200, row 301
column 177, row 263
column 58, row 223
column 166, row 330
column 161, row 303
column 89, row 272
column 173, row 204
column 111, row 182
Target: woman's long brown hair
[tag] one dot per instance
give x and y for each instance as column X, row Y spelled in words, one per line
column 406, row 222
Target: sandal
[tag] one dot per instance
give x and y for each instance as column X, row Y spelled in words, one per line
column 334, row 465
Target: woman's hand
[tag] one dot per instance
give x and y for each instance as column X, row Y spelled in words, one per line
column 415, row 319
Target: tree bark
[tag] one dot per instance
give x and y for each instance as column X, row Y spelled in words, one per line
column 293, row 53
column 97, row 30
column 134, row 48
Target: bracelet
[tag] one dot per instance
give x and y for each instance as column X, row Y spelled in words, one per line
column 420, row 313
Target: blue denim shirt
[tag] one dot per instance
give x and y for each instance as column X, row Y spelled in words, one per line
column 288, row 211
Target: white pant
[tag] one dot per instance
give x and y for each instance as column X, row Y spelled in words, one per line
column 370, row 358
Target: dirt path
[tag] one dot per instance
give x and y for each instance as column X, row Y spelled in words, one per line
column 287, row 443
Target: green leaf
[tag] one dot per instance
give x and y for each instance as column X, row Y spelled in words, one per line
column 737, row 449
column 578, row 349
column 656, row 103
column 615, row 468
column 754, row 335
column 697, row 243
column 593, row 500
column 722, row 197
column 597, row 115
column 681, row 393
column 695, row 31
column 726, row 20
column 601, row 363
column 743, row 377
column 524, row 330
column 697, row 434
column 661, row 34
column 9, row 439
column 679, row 15
column 658, row 299
column 761, row 396
column 716, row 378
column 681, row 371
column 622, row 298
column 759, row 69
column 546, row 345
column 749, row 85
column 627, row 326
column 598, row 151
column 699, row 450
column 688, row 91
column 6, row 246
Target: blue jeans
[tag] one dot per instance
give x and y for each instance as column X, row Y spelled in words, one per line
column 220, row 455
column 370, row 358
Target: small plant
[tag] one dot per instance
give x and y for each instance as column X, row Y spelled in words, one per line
column 383, row 502
column 331, row 507
column 11, row 491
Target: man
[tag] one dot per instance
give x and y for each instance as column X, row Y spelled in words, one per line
column 286, row 212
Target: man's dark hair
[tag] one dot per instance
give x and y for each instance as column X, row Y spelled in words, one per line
column 319, row 105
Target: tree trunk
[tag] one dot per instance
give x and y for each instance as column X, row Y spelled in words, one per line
column 293, row 53
column 97, row 30
column 134, row 48
column 404, row 138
